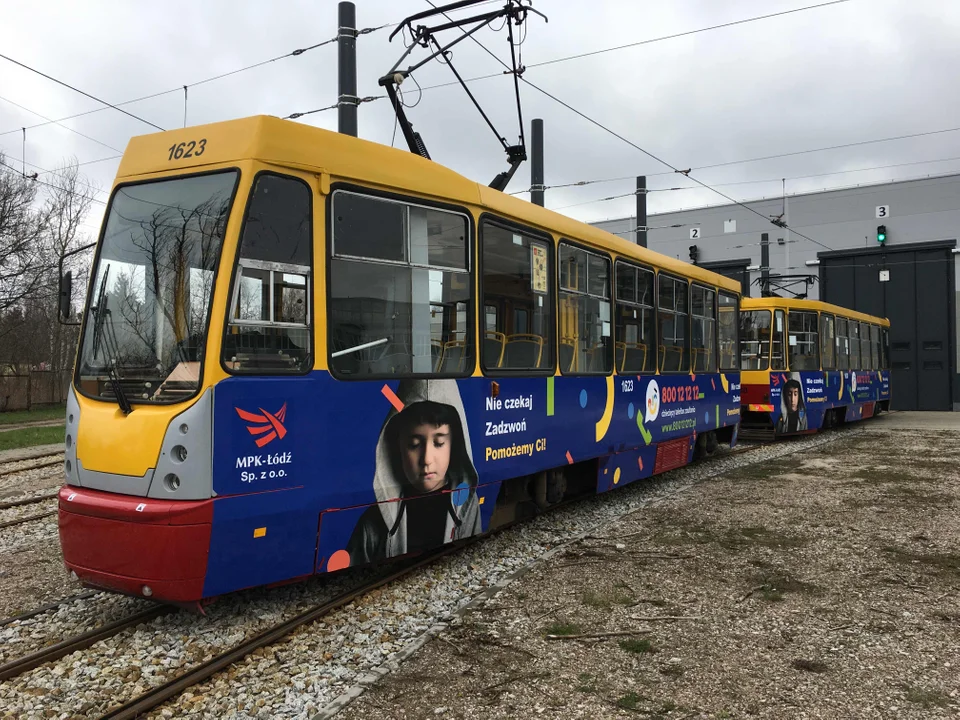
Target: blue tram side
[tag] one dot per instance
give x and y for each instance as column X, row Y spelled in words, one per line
column 809, row 365
column 304, row 351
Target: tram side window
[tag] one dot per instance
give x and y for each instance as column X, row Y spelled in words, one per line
column 854, row 335
column 866, row 347
column 755, row 339
column 778, row 356
column 843, row 344
column 269, row 326
column 874, row 346
column 884, row 349
column 585, row 346
column 399, row 289
column 672, row 315
column 703, row 331
column 518, row 297
column 828, row 342
column 804, row 345
column 727, row 326
column 636, row 346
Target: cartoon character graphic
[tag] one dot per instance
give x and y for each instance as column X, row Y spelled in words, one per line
column 653, row 401
column 425, row 481
column 793, row 412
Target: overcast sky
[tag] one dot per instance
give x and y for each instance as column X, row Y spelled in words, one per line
column 859, row 70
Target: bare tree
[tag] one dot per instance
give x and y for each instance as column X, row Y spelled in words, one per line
column 23, row 229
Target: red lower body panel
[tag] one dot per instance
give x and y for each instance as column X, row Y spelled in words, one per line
column 123, row 543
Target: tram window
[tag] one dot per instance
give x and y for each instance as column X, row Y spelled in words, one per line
column 866, row 347
column 755, row 339
column 703, row 329
column 804, row 344
column 584, row 302
column 636, row 345
column 885, row 349
column 855, row 352
column 727, row 326
column 843, row 344
column 874, row 332
column 404, row 307
column 778, row 358
column 672, row 316
column 516, row 277
column 268, row 330
column 828, row 342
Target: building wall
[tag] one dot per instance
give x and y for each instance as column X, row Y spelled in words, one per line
column 919, row 211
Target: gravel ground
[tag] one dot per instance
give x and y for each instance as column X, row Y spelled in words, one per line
column 31, row 566
column 318, row 664
column 742, row 532
column 821, row 585
column 295, row 678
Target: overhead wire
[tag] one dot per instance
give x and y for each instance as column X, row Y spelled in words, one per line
column 771, row 180
column 65, row 127
column 648, row 41
column 78, row 90
column 634, row 145
column 293, row 53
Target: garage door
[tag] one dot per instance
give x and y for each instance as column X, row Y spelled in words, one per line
column 916, row 294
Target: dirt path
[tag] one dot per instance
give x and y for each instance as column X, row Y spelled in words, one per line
column 818, row 586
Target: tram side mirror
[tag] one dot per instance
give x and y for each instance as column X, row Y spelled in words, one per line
column 65, row 295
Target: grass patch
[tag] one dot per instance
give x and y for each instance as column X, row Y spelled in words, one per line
column 629, row 701
column 17, row 417
column 640, row 647
column 29, row 437
column 772, row 584
column 562, row 628
column 606, row 601
column 927, row 698
column 940, row 563
column 587, row 683
column 763, row 470
column 741, row 537
column 814, row 666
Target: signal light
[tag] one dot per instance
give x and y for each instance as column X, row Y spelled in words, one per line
column 881, row 234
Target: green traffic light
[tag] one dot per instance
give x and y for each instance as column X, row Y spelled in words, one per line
column 881, row 237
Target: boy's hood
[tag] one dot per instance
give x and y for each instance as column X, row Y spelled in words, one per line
column 386, row 487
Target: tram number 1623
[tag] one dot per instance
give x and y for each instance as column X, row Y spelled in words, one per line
column 193, row 148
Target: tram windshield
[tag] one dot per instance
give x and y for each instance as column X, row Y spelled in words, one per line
column 754, row 339
column 146, row 323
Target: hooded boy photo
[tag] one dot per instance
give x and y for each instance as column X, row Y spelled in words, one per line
column 424, row 482
column 793, row 413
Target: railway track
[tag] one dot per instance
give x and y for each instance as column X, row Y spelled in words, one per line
column 155, row 697
column 177, row 685
column 36, row 466
column 79, row 642
column 26, row 519
column 46, row 608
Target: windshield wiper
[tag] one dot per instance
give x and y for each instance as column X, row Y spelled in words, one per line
column 101, row 313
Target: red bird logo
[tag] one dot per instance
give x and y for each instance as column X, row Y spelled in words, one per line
column 268, row 426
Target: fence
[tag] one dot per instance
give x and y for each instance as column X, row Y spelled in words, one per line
column 38, row 388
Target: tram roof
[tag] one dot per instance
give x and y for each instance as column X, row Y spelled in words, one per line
column 770, row 303
column 290, row 144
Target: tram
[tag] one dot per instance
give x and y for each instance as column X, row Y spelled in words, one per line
column 303, row 351
column 808, row 365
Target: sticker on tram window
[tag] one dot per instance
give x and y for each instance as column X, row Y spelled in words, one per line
column 192, row 148
column 538, row 259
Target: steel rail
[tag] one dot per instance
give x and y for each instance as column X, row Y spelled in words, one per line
column 28, row 518
column 80, row 642
column 26, row 501
column 157, row 696
column 4, row 473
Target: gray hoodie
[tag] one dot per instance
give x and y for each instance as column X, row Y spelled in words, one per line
column 381, row 531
